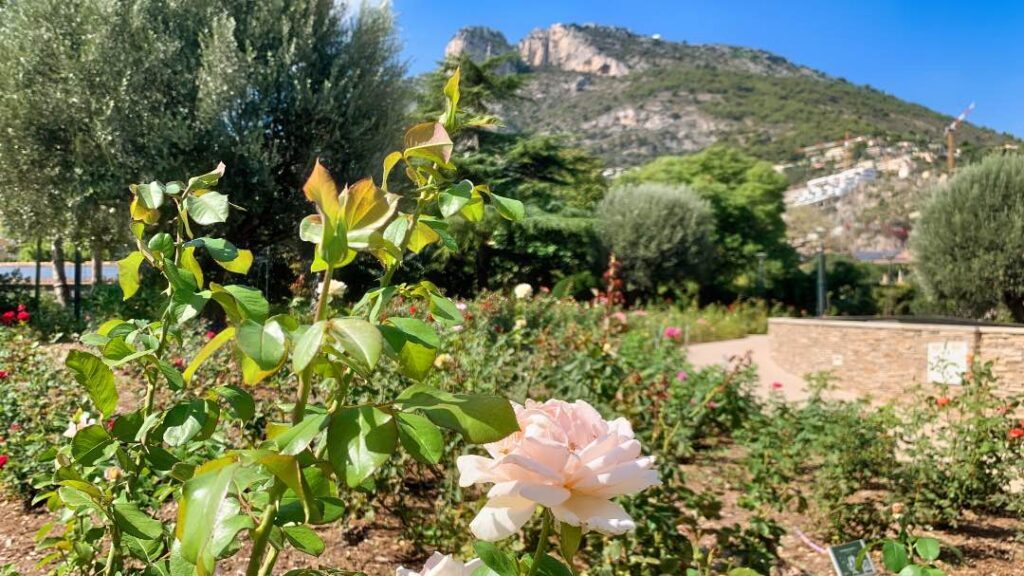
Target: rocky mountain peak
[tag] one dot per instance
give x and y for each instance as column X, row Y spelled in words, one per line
column 479, row 43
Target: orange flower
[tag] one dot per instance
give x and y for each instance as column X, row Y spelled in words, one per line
column 1015, row 433
column 942, row 401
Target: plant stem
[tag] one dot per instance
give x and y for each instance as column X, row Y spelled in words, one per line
column 542, row 543
column 325, row 294
column 113, row 564
column 261, row 535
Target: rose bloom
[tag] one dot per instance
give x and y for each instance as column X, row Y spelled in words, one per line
column 24, row 316
column 442, row 565
column 1016, row 433
column 522, row 291
column 682, row 376
column 7, row 317
column 3, row 460
column 210, row 334
column 776, row 385
column 84, row 421
column 4, row 374
column 565, row 457
column 942, row 401
column 673, row 332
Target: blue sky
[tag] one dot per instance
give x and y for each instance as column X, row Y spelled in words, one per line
column 938, row 53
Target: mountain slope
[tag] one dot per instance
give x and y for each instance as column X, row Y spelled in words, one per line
column 630, row 98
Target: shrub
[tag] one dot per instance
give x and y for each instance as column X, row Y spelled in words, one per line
column 662, row 234
column 969, row 244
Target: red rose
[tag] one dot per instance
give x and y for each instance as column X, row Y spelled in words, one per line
column 24, row 316
column 3, row 460
column 15, row 427
column 4, row 374
column 178, row 363
column 942, row 401
column 7, row 317
column 776, row 385
column 210, row 334
column 412, row 309
column 1015, row 433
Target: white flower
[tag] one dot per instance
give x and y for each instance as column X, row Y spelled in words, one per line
column 84, row 421
column 337, row 288
column 523, row 291
column 520, row 323
column 461, row 306
column 442, row 565
column 565, row 457
column 458, row 328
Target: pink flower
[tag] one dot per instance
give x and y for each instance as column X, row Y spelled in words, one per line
column 210, row 334
column 776, row 385
column 442, row 565
column 712, row 404
column 673, row 333
column 15, row 427
column 24, row 316
column 4, row 374
column 565, row 457
column 3, row 460
column 682, row 376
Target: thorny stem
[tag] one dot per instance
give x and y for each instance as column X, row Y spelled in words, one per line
column 542, row 543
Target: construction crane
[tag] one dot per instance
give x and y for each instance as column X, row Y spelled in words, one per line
column 951, row 137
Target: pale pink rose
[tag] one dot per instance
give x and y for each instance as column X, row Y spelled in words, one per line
column 682, row 376
column 673, row 332
column 442, row 565
column 565, row 457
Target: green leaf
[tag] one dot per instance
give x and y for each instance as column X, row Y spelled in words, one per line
column 137, row 523
column 218, row 248
column 171, row 374
column 569, row 538
column 359, row 339
column 240, row 403
column 360, row 440
column 207, row 180
column 128, row 273
column 161, row 243
column 151, row 195
column 479, row 418
column 509, row 208
column 295, row 439
column 420, row 437
column 201, row 512
column 894, row 555
column 912, row 570
column 304, row 539
column 186, row 421
column 311, row 229
column 927, row 548
column 96, row 377
column 264, row 343
column 413, row 344
column 186, row 305
column 240, row 264
column 430, row 141
column 307, row 346
column 209, row 208
column 288, row 470
column 90, row 444
column 549, row 566
column 208, row 350
column 444, row 310
column 454, row 199
column 743, row 572
column 241, row 302
column 179, row 278
column 492, row 557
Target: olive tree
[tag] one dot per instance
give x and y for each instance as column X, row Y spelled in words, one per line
column 969, row 244
column 660, row 233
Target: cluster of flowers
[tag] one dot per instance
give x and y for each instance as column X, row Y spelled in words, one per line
column 21, row 316
column 565, row 458
column 1015, row 433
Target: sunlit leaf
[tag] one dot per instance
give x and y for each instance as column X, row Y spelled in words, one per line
column 128, row 273
column 96, row 377
column 430, row 141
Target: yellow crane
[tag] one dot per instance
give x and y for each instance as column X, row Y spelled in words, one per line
column 951, row 137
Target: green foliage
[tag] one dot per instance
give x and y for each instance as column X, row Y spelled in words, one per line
column 969, row 244
column 265, row 87
column 662, row 234
column 745, row 195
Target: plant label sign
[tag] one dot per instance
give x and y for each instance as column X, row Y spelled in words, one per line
column 947, row 362
column 844, row 559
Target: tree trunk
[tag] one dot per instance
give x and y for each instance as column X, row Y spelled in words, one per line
column 97, row 262
column 60, row 280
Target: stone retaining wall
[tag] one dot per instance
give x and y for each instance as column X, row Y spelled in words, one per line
column 883, row 359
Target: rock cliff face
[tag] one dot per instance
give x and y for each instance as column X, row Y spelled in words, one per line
column 629, row 97
column 568, row 48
